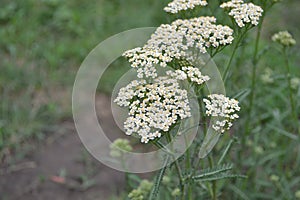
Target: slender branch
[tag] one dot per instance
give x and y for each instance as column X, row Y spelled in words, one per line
column 177, row 167
column 203, row 118
column 226, row 151
column 288, row 78
column 253, row 80
column 155, row 189
column 214, row 183
column 236, row 46
column 188, row 167
column 225, row 74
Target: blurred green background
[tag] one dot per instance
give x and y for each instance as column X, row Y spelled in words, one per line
column 43, row 42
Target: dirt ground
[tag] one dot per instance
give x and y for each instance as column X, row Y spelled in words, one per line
column 62, row 169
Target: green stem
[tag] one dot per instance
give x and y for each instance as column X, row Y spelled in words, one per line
column 225, row 74
column 190, row 192
column 127, row 179
column 288, row 78
column 188, row 156
column 252, row 93
column 178, row 169
column 203, row 118
column 214, row 183
column 188, row 168
column 226, row 151
column 253, row 80
column 236, row 46
column 158, row 180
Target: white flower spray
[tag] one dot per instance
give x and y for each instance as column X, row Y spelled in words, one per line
column 243, row 13
column 180, row 5
column 153, row 107
column 157, row 102
column 224, row 109
column 171, row 41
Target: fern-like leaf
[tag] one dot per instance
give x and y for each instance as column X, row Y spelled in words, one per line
column 220, row 177
column 213, row 171
column 158, row 180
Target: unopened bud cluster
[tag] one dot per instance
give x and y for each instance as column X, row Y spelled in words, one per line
column 284, row 38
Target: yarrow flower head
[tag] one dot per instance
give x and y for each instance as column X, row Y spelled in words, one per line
column 153, row 107
column 142, row 191
column 119, row 147
column 267, row 76
column 297, row 194
column 232, row 4
column 243, row 12
column 274, row 178
column 284, row 38
column 176, row 192
column 178, row 5
column 295, row 83
column 225, row 109
column 166, row 180
column 172, row 41
column 189, row 72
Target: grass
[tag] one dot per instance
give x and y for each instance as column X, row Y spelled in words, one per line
column 43, row 43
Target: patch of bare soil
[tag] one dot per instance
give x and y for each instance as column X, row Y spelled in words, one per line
column 61, row 169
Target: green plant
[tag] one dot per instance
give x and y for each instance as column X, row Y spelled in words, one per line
column 153, row 94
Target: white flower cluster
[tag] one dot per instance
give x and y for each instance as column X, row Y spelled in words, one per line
column 284, row 38
column 190, row 72
column 195, row 75
column 295, row 83
column 202, row 32
column 231, row 4
column 177, row 74
column 267, row 76
column 153, row 107
column 163, row 46
column 119, row 147
column 243, row 12
column 171, row 41
column 178, row 5
column 225, row 109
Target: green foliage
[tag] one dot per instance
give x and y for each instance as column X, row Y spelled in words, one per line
column 220, row 176
column 272, row 147
column 213, row 171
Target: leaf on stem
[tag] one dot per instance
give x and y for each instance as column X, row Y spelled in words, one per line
column 158, row 180
column 209, row 142
column 220, row 177
column 213, row 171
